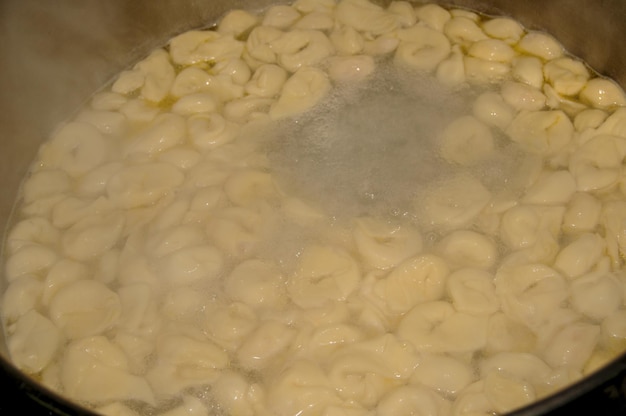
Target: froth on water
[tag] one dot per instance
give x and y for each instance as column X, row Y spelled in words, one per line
column 371, row 148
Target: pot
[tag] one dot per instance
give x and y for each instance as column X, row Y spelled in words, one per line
column 56, row 54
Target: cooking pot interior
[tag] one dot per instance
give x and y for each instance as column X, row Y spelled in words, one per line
column 56, row 54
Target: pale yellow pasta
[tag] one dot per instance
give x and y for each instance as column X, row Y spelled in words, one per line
column 246, row 109
column 615, row 123
column 316, row 20
column 482, row 72
column 383, row 244
column 465, row 13
column 614, row 331
column 302, row 388
column 603, row 93
column 365, row 16
column 612, row 219
column 451, row 71
column 330, row 337
column 505, row 334
column 115, row 409
column 360, row 377
column 247, row 187
column 236, row 22
column 196, row 46
column 541, row 44
column 504, row 28
column 572, row 345
column 208, row 131
column 128, row 81
column 529, row 70
column 421, row 48
column 21, row 296
column 70, row 210
column 182, row 362
column 590, row 118
column 107, row 101
column 233, row 393
column 437, row 327
column 169, row 218
column 404, row 12
column 30, row 230
column 444, row 374
column 491, row 109
column 138, row 348
column 190, row 264
column 463, row 30
column 381, row 45
column 94, row 183
column 228, row 325
column 236, row 231
column 472, row 291
column 323, row 274
column 455, row 202
column 412, row 400
column 158, row 75
column 433, row 15
column 29, row 259
column 467, row 141
column 138, row 110
column 85, row 308
column 421, row 278
column 507, row 393
column 596, row 164
column 551, row 188
column 579, row 256
column 347, row 40
column 140, row 185
column 492, row 50
column 567, row 76
column 596, row 295
column 530, row 293
column 256, row 282
column 466, row 248
column 568, row 104
column 525, row 225
column 258, row 43
column 182, row 302
column 473, row 402
column 235, row 70
column 308, row 6
column 522, row 96
column 541, row 132
column 110, row 123
column 281, row 16
column 305, row 88
column 138, row 308
column 582, row 213
column 76, row 148
column 267, row 81
column 267, row 343
column 194, row 103
column 110, row 378
column 191, row 406
column 60, row 274
column 92, row 236
column 160, row 260
column 522, row 366
column 165, row 131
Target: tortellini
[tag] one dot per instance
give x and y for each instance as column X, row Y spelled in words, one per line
column 167, row 253
column 323, row 274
